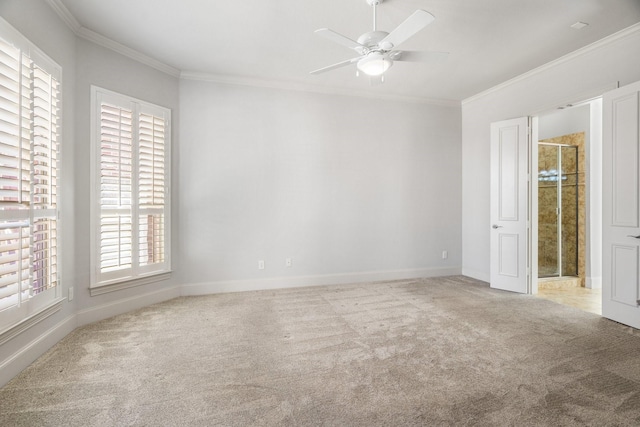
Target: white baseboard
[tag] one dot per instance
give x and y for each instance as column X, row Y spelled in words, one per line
column 593, row 283
column 121, row 306
column 475, row 274
column 25, row 356
column 303, row 281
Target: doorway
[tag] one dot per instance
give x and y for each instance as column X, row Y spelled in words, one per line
column 568, row 206
column 514, row 201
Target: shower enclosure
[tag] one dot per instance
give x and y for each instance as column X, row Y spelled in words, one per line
column 557, row 210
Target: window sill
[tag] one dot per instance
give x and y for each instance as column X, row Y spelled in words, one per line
column 118, row 286
column 17, row 329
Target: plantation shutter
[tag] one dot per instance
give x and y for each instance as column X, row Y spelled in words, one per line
column 116, row 174
column 44, row 180
column 132, row 235
column 15, row 124
column 151, row 186
column 29, row 109
column 14, row 264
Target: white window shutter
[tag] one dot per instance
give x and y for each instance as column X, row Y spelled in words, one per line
column 14, row 264
column 151, row 176
column 116, row 181
column 44, row 177
column 130, row 221
column 29, row 123
column 15, row 124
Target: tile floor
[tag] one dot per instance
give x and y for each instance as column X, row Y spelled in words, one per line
column 583, row 298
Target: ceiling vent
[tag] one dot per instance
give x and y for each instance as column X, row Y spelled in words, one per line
column 579, row 25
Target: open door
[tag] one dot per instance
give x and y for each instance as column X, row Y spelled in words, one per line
column 621, row 206
column 510, row 258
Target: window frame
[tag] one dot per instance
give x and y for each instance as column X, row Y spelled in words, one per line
column 102, row 282
column 14, row 320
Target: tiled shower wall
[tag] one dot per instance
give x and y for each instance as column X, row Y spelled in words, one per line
column 573, row 226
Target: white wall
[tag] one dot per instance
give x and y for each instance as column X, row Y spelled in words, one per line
column 563, row 122
column 351, row 189
column 105, row 68
column 580, row 76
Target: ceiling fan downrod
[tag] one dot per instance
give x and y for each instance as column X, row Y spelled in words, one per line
column 374, row 3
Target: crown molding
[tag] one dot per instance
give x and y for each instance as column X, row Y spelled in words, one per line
column 627, row 32
column 87, row 34
column 302, row 87
column 103, row 41
column 65, row 15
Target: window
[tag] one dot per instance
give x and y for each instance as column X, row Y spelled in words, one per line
column 131, row 199
column 29, row 138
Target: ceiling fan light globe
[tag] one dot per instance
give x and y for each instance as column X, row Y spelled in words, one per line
column 374, row 64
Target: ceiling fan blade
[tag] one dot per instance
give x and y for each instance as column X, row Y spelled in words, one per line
column 340, row 39
column 338, row 65
column 414, row 23
column 416, row 56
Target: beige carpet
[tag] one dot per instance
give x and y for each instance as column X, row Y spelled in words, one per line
column 442, row 351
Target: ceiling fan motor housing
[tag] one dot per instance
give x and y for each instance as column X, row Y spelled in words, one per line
column 372, row 38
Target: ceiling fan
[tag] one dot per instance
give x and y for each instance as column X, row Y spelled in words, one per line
column 376, row 48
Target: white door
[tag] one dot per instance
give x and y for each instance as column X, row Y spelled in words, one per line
column 509, row 205
column 621, row 210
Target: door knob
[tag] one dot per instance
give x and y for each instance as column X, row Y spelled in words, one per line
column 495, row 226
column 635, row 237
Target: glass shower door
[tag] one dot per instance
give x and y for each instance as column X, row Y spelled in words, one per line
column 557, row 210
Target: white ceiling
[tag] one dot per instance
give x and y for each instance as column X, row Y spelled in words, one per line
column 273, row 41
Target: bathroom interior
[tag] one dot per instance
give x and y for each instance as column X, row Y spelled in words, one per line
column 562, row 209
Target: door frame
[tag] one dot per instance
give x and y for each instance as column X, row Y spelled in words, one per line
column 593, row 194
column 533, row 206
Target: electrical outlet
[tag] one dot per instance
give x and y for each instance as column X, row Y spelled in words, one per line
column 445, row 254
column 71, row 293
column 261, row 264
column 288, row 262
